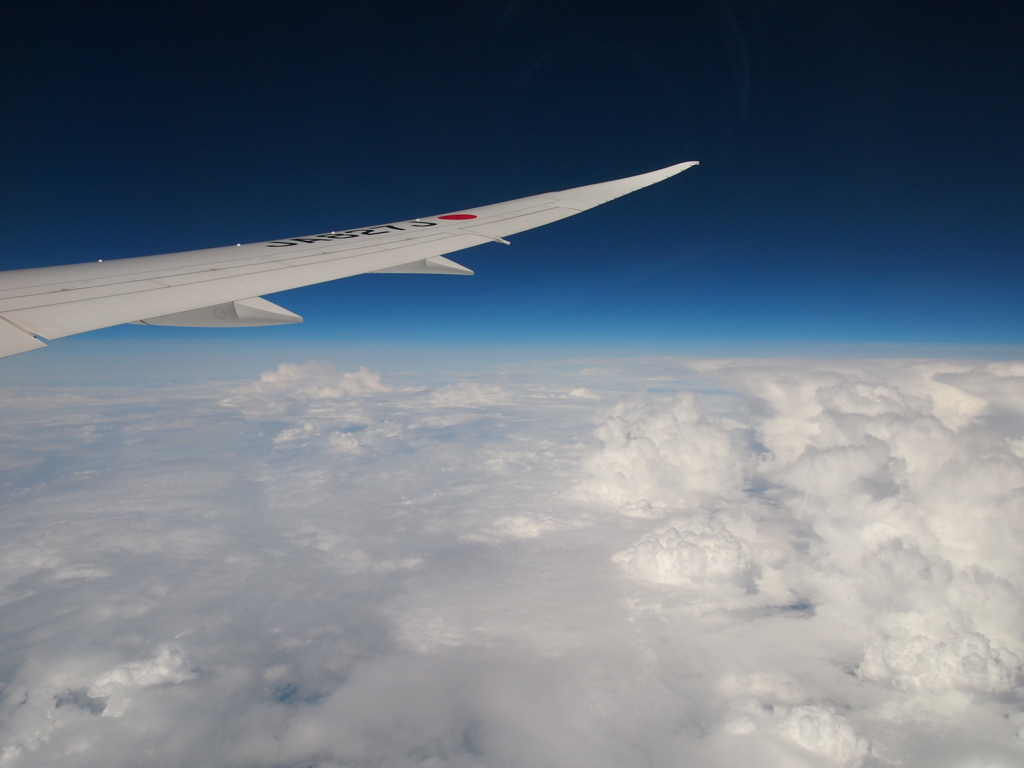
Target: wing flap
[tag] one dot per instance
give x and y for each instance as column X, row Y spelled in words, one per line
column 14, row 340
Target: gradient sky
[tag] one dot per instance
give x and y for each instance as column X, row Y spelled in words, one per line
column 861, row 178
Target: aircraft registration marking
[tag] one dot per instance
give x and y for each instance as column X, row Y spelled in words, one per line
column 348, row 234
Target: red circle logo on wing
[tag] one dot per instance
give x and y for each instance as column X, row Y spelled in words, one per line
column 457, row 217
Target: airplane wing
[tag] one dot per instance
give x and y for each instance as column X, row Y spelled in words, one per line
column 221, row 287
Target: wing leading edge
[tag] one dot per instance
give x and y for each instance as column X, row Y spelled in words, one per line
column 222, row 286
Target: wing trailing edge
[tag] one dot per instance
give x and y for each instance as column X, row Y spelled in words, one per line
column 14, row 339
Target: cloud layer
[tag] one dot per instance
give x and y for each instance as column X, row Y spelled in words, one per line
column 714, row 562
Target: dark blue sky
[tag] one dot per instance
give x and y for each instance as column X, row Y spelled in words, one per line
column 861, row 178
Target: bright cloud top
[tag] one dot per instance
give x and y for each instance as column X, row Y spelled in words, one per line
column 787, row 563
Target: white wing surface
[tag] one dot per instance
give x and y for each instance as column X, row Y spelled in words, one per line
column 223, row 286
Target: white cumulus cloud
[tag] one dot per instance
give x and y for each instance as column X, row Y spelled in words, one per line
column 686, row 557
column 821, row 730
column 716, row 562
column 956, row 660
column 669, row 452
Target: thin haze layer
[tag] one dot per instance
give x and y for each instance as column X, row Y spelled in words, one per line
column 661, row 562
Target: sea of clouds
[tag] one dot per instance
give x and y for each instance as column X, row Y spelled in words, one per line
column 612, row 563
